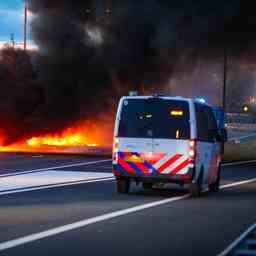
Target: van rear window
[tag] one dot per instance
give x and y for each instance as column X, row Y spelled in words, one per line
column 154, row 118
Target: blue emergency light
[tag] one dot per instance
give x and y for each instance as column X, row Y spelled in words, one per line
column 201, row 100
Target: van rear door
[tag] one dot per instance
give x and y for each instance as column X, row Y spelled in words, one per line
column 171, row 136
column 135, row 136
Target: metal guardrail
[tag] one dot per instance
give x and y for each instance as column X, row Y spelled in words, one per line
column 241, row 126
column 240, row 118
column 240, row 139
column 245, row 245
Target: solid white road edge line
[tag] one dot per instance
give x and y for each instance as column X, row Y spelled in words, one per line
column 13, row 173
column 237, row 241
column 15, row 191
column 239, row 162
column 238, row 183
column 51, row 232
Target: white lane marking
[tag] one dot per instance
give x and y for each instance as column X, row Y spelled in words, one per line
column 79, row 224
column 239, row 163
column 238, row 183
column 47, row 178
column 55, row 167
column 54, row 186
column 237, row 241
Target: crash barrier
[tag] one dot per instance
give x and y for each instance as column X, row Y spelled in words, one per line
column 243, row 245
column 243, row 138
column 240, row 118
column 241, row 126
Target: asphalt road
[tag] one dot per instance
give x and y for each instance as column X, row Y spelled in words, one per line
column 179, row 225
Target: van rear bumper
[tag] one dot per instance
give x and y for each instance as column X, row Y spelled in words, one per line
column 154, row 178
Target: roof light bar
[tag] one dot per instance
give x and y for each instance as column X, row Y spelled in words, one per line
column 201, row 100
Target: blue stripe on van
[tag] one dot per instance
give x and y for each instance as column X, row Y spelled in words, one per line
column 150, row 167
column 120, row 169
column 147, row 164
column 132, row 165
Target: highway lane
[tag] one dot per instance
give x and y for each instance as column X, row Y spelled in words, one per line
column 11, row 163
column 190, row 226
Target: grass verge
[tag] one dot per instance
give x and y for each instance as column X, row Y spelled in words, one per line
column 242, row 151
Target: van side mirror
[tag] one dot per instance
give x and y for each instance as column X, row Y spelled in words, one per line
column 215, row 134
column 224, row 135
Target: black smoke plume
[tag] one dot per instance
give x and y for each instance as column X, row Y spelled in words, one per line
column 91, row 52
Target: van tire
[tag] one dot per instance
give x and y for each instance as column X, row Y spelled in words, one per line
column 147, row 185
column 215, row 187
column 123, row 186
column 195, row 189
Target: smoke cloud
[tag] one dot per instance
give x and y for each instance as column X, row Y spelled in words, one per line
column 91, row 52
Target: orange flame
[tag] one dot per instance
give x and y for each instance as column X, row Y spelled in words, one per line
column 83, row 135
column 75, row 139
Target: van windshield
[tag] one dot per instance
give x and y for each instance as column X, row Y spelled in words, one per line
column 154, row 118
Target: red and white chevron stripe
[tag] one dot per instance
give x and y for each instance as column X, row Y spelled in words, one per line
column 175, row 164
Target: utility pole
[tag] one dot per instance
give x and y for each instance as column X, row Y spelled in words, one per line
column 108, row 9
column 12, row 40
column 225, row 63
column 25, row 23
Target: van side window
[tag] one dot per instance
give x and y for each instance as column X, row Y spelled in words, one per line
column 212, row 124
column 206, row 122
column 202, row 122
column 211, row 119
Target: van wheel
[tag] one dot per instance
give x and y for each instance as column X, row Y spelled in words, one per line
column 215, row 187
column 195, row 189
column 123, row 186
column 147, row 185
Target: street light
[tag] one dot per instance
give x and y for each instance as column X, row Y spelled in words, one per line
column 245, row 108
column 25, row 23
column 225, row 62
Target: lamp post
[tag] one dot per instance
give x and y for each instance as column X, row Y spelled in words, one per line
column 225, row 62
column 25, row 23
column 108, row 9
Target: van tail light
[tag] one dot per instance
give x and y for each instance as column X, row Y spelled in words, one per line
column 192, row 149
column 192, row 154
column 115, row 150
column 192, row 143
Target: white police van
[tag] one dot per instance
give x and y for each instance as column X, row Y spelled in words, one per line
column 161, row 139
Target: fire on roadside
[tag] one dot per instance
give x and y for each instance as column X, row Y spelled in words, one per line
column 73, row 138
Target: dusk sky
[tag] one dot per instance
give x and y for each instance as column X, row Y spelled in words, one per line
column 11, row 19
